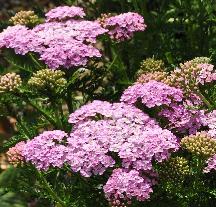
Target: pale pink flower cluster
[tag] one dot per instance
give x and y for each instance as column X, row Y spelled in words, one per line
column 115, row 111
column 21, row 39
column 64, row 12
column 206, row 74
column 68, row 43
column 152, row 94
column 182, row 119
column 101, row 128
column 123, row 26
column 46, row 150
column 211, row 164
column 15, row 154
column 210, row 120
column 125, row 185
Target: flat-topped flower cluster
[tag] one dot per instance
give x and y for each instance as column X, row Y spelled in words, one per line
column 65, row 39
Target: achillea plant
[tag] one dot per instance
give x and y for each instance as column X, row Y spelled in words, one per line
column 76, row 147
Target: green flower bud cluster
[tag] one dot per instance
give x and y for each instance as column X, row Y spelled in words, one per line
column 9, row 82
column 151, row 65
column 186, row 76
column 175, row 169
column 200, row 144
column 47, row 79
column 25, row 18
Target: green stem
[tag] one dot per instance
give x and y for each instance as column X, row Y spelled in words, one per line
column 49, row 190
column 69, row 102
column 136, row 6
column 35, row 61
column 49, row 118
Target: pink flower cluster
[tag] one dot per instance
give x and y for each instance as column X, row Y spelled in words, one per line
column 207, row 73
column 115, row 111
column 124, row 185
column 211, row 164
column 210, row 121
column 15, row 154
column 21, row 39
column 123, row 26
column 46, row 150
column 64, row 12
column 68, row 43
column 152, row 94
column 182, row 119
column 102, row 129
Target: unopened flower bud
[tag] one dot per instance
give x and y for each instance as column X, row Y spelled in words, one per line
column 47, row 79
column 200, row 144
column 9, row 82
column 25, row 18
column 175, row 169
column 151, row 65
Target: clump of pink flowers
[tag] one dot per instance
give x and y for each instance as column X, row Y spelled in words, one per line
column 46, row 150
column 211, row 164
column 125, row 185
column 64, row 12
column 65, row 41
column 123, row 26
column 152, row 94
column 15, row 154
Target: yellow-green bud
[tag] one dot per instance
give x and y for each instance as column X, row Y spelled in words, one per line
column 174, row 169
column 24, row 18
column 151, row 65
column 200, row 144
column 47, row 79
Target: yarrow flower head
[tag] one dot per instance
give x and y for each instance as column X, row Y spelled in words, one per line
column 15, row 154
column 123, row 185
column 21, row 39
column 64, row 41
column 46, row 150
column 200, row 144
column 152, row 94
column 182, row 119
column 63, row 13
column 25, row 18
column 102, row 128
column 191, row 74
column 123, row 26
column 47, row 79
column 9, row 82
column 210, row 120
